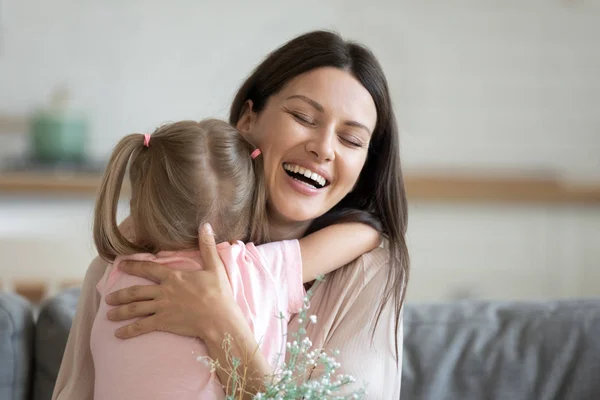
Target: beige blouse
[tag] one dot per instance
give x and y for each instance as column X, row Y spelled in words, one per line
column 345, row 305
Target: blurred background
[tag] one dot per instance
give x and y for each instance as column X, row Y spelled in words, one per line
column 498, row 104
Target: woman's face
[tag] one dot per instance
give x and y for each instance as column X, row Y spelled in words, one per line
column 314, row 135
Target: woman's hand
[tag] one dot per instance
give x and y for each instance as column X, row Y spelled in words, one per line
column 189, row 303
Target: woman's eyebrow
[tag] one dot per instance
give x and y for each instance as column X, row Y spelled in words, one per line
column 310, row 101
column 359, row 125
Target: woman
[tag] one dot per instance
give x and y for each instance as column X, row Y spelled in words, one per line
column 321, row 103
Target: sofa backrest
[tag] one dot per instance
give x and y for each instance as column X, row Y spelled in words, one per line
column 16, row 350
column 502, row 350
column 52, row 331
column 452, row 351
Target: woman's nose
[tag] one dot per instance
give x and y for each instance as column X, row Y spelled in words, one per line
column 321, row 145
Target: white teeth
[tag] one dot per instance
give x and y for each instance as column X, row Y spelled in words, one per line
column 306, row 172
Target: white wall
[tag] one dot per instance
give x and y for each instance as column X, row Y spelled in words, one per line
column 477, row 84
column 503, row 251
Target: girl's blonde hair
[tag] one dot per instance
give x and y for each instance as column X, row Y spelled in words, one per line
column 190, row 173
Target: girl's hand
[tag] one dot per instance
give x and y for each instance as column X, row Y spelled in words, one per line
column 182, row 302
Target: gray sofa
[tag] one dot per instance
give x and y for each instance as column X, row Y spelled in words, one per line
column 16, row 347
column 454, row 351
column 502, row 350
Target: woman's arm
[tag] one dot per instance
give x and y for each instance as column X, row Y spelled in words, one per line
column 76, row 375
column 254, row 367
column 183, row 302
column 335, row 246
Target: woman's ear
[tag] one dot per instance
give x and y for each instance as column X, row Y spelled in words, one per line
column 247, row 119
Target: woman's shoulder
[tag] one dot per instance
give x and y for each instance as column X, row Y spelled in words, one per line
column 376, row 258
column 372, row 263
column 355, row 276
column 96, row 268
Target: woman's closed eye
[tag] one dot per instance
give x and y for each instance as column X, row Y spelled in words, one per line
column 352, row 141
column 304, row 119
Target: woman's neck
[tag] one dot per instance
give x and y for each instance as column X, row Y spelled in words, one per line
column 287, row 231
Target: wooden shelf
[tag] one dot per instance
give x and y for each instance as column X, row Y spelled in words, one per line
column 499, row 189
column 420, row 186
column 24, row 183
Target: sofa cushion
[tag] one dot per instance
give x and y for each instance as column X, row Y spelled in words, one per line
column 16, row 347
column 52, row 331
column 508, row 350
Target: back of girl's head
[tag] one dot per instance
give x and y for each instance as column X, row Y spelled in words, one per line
column 189, row 173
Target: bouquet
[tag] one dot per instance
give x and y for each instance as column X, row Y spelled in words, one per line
column 289, row 381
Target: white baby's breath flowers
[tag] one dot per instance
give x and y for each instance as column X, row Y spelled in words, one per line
column 290, row 380
column 204, row 360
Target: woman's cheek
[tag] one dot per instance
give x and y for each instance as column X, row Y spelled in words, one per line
column 353, row 170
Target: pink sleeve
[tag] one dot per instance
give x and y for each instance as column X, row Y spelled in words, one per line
column 112, row 271
column 283, row 260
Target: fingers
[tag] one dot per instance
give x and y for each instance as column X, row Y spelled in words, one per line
column 139, row 327
column 145, row 269
column 133, row 293
column 208, row 248
column 132, row 310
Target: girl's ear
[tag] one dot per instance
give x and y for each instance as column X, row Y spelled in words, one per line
column 247, row 119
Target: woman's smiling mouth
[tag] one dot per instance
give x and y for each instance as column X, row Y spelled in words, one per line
column 305, row 175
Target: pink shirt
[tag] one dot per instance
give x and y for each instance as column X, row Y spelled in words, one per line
column 266, row 282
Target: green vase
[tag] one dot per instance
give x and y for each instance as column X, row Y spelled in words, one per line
column 58, row 137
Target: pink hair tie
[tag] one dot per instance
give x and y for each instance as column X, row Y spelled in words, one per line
column 146, row 139
column 255, row 153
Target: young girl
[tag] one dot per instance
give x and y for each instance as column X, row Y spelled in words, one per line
column 185, row 175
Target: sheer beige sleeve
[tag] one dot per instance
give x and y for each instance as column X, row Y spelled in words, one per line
column 346, row 306
column 76, row 375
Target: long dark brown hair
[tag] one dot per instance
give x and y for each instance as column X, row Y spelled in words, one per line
column 189, row 173
column 379, row 197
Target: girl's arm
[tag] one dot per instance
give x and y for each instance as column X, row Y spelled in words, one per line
column 335, row 246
